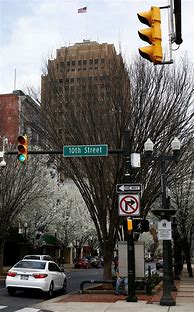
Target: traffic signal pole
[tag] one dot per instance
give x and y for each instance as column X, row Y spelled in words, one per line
column 131, row 297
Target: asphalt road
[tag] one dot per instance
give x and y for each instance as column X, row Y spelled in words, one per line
column 26, row 300
column 23, row 301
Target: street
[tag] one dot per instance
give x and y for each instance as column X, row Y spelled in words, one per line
column 26, row 300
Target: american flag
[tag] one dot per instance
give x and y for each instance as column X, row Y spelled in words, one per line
column 82, row 10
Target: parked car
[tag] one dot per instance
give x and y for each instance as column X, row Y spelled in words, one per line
column 94, row 261
column 159, row 264
column 42, row 275
column 38, row 257
column 82, row 264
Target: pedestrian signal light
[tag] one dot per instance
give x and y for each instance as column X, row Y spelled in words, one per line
column 140, row 225
column 22, row 148
column 152, row 35
column 129, row 225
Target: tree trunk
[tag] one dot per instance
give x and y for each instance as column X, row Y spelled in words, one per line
column 1, row 254
column 188, row 257
column 108, row 255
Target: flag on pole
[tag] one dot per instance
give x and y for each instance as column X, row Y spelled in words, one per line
column 82, row 10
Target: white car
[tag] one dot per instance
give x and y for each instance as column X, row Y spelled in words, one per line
column 36, row 274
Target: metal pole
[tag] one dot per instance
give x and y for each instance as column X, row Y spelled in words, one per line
column 166, row 299
column 130, row 243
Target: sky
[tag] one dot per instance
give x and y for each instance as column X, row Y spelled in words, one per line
column 32, row 30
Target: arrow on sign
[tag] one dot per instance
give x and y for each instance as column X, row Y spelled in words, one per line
column 122, row 188
column 128, row 204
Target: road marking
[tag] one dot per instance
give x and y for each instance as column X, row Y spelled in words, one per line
column 3, row 307
column 28, row 310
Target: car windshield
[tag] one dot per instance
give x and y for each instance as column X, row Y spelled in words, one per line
column 31, row 265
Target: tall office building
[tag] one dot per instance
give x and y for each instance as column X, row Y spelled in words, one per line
column 76, row 65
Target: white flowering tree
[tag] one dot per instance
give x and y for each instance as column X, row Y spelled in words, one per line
column 61, row 209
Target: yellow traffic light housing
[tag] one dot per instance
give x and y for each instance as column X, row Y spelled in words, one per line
column 23, row 148
column 151, row 35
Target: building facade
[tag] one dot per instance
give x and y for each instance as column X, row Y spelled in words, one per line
column 75, row 65
column 16, row 109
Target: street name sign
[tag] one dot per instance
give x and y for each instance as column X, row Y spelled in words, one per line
column 164, row 230
column 85, row 150
column 129, row 204
column 128, row 188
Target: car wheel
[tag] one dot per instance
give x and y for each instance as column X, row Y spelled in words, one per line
column 63, row 290
column 11, row 291
column 50, row 292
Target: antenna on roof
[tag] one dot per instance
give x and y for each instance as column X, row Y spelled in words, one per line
column 14, row 86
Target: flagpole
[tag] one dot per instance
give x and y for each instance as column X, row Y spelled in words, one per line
column 86, row 25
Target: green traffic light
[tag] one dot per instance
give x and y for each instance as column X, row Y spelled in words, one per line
column 21, row 157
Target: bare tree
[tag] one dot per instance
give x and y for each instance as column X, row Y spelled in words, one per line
column 153, row 102
column 19, row 185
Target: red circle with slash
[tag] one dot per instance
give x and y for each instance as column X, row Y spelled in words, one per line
column 127, row 202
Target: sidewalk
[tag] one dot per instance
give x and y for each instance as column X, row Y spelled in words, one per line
column 108, row 302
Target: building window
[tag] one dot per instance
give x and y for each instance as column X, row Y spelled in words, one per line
column 102, row 60
column 72, row 80
column 91, row 62
column 96, row 61
column 68, row 63
column 79, row 62
column 84, row 68
column 60, row 80
column 73, row 63
column 84, row 62
column 73, row 69
column 96, row 67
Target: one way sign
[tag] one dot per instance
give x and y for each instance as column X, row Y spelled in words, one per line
column 128, row 188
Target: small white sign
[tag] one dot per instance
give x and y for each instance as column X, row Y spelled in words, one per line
column 164, row 234
column 164, row 230
column 164, row 224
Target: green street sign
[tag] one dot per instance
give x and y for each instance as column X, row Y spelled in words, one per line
column 85, row 150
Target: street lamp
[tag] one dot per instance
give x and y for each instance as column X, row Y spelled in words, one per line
column 55, row 244
column 165, row 212
column 25, row 232
column 3, row 163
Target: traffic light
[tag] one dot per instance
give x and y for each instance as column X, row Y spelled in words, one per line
column 140, row 225
column 152, row 35
column 23, row 148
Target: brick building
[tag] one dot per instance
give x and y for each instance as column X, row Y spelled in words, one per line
column 15, row 110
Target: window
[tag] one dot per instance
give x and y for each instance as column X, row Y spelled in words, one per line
column 72, row 80
column 79, row 62
column 68, row 63
column 73, row 69
column 84, row 62
column 60, row 80
column 91, row 62
column 30, row 265
column 53, row 267
column 73, row 63
column 96, row 61
column 102, row 60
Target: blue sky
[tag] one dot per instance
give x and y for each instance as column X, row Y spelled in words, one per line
column 32, row 30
